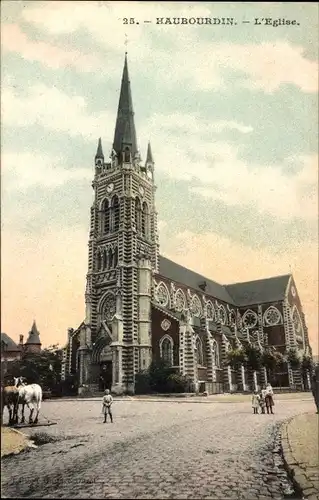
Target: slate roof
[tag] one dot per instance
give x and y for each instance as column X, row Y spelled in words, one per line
column 149, row 154
column 125, row 127
column 34, row 336
column 11, row 345
column 259, row 291
column 99, row 151
column 184, row 276
column 239, row 294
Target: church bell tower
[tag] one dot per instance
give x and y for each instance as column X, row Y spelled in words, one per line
column 123, row 254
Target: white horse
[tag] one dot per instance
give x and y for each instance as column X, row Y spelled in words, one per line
column 30, row 395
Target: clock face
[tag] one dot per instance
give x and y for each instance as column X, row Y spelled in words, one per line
column 110, row 188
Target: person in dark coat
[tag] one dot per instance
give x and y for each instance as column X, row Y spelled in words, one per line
column 315, row 386
column 269, row 399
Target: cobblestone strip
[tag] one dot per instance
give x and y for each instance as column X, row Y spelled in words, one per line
column 154, row 451
column 304, row 479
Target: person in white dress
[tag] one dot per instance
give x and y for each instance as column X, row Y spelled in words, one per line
column 255, row 401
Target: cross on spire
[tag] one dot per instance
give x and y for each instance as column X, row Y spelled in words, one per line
column 126, row 43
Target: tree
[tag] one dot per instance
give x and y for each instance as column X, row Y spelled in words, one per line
column 280, row 359
column 271, row 358
column 159, row 371
column 306, row 364
column 253, row 357
column 293, row 359
column 236, row 357
column 43, row 368
column 268, row 359
column 160, row 377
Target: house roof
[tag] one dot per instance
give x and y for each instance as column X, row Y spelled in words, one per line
column 259, row 291
column 239, row 294
column 10, row 344
column 184, row 276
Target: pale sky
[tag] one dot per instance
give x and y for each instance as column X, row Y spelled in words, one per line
column 231, row 113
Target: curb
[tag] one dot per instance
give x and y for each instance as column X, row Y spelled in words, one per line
column 148, row 400
column 302, row 485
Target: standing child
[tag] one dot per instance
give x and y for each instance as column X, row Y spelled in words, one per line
column 255, row 401
column 107, row 403
column 262, row 401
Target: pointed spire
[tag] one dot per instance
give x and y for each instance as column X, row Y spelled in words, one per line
column 34, row 328
column 99, row 152
column 34, row 336
column 149, row 155
column 125, row 134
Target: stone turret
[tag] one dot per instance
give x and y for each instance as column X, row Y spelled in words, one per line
column 33, row 344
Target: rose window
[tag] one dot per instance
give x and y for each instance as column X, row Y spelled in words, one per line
column 162, row 294
column 250, row 319
column 180, row 300
column 272, row 316
column 210, row 311
column 109, row 307
column 196, row 306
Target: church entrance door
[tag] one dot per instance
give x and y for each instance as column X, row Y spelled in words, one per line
column 105, row 375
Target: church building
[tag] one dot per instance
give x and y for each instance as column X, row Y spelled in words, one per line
column 141, row 306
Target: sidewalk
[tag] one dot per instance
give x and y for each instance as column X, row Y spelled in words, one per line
column 301, row 452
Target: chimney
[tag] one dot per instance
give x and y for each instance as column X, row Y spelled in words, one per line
column 202, row 285
column 21, row 340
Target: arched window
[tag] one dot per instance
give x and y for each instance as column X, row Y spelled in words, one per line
column 115, row 261
column 105, row 217
column 110, row 259
column 216, row 354
column 166, row 349
column 98, row 260
column 199, row 352
column 104, row 259
column 138, row 215
column 115, row 207
column 127, row 155
column 145, row 219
